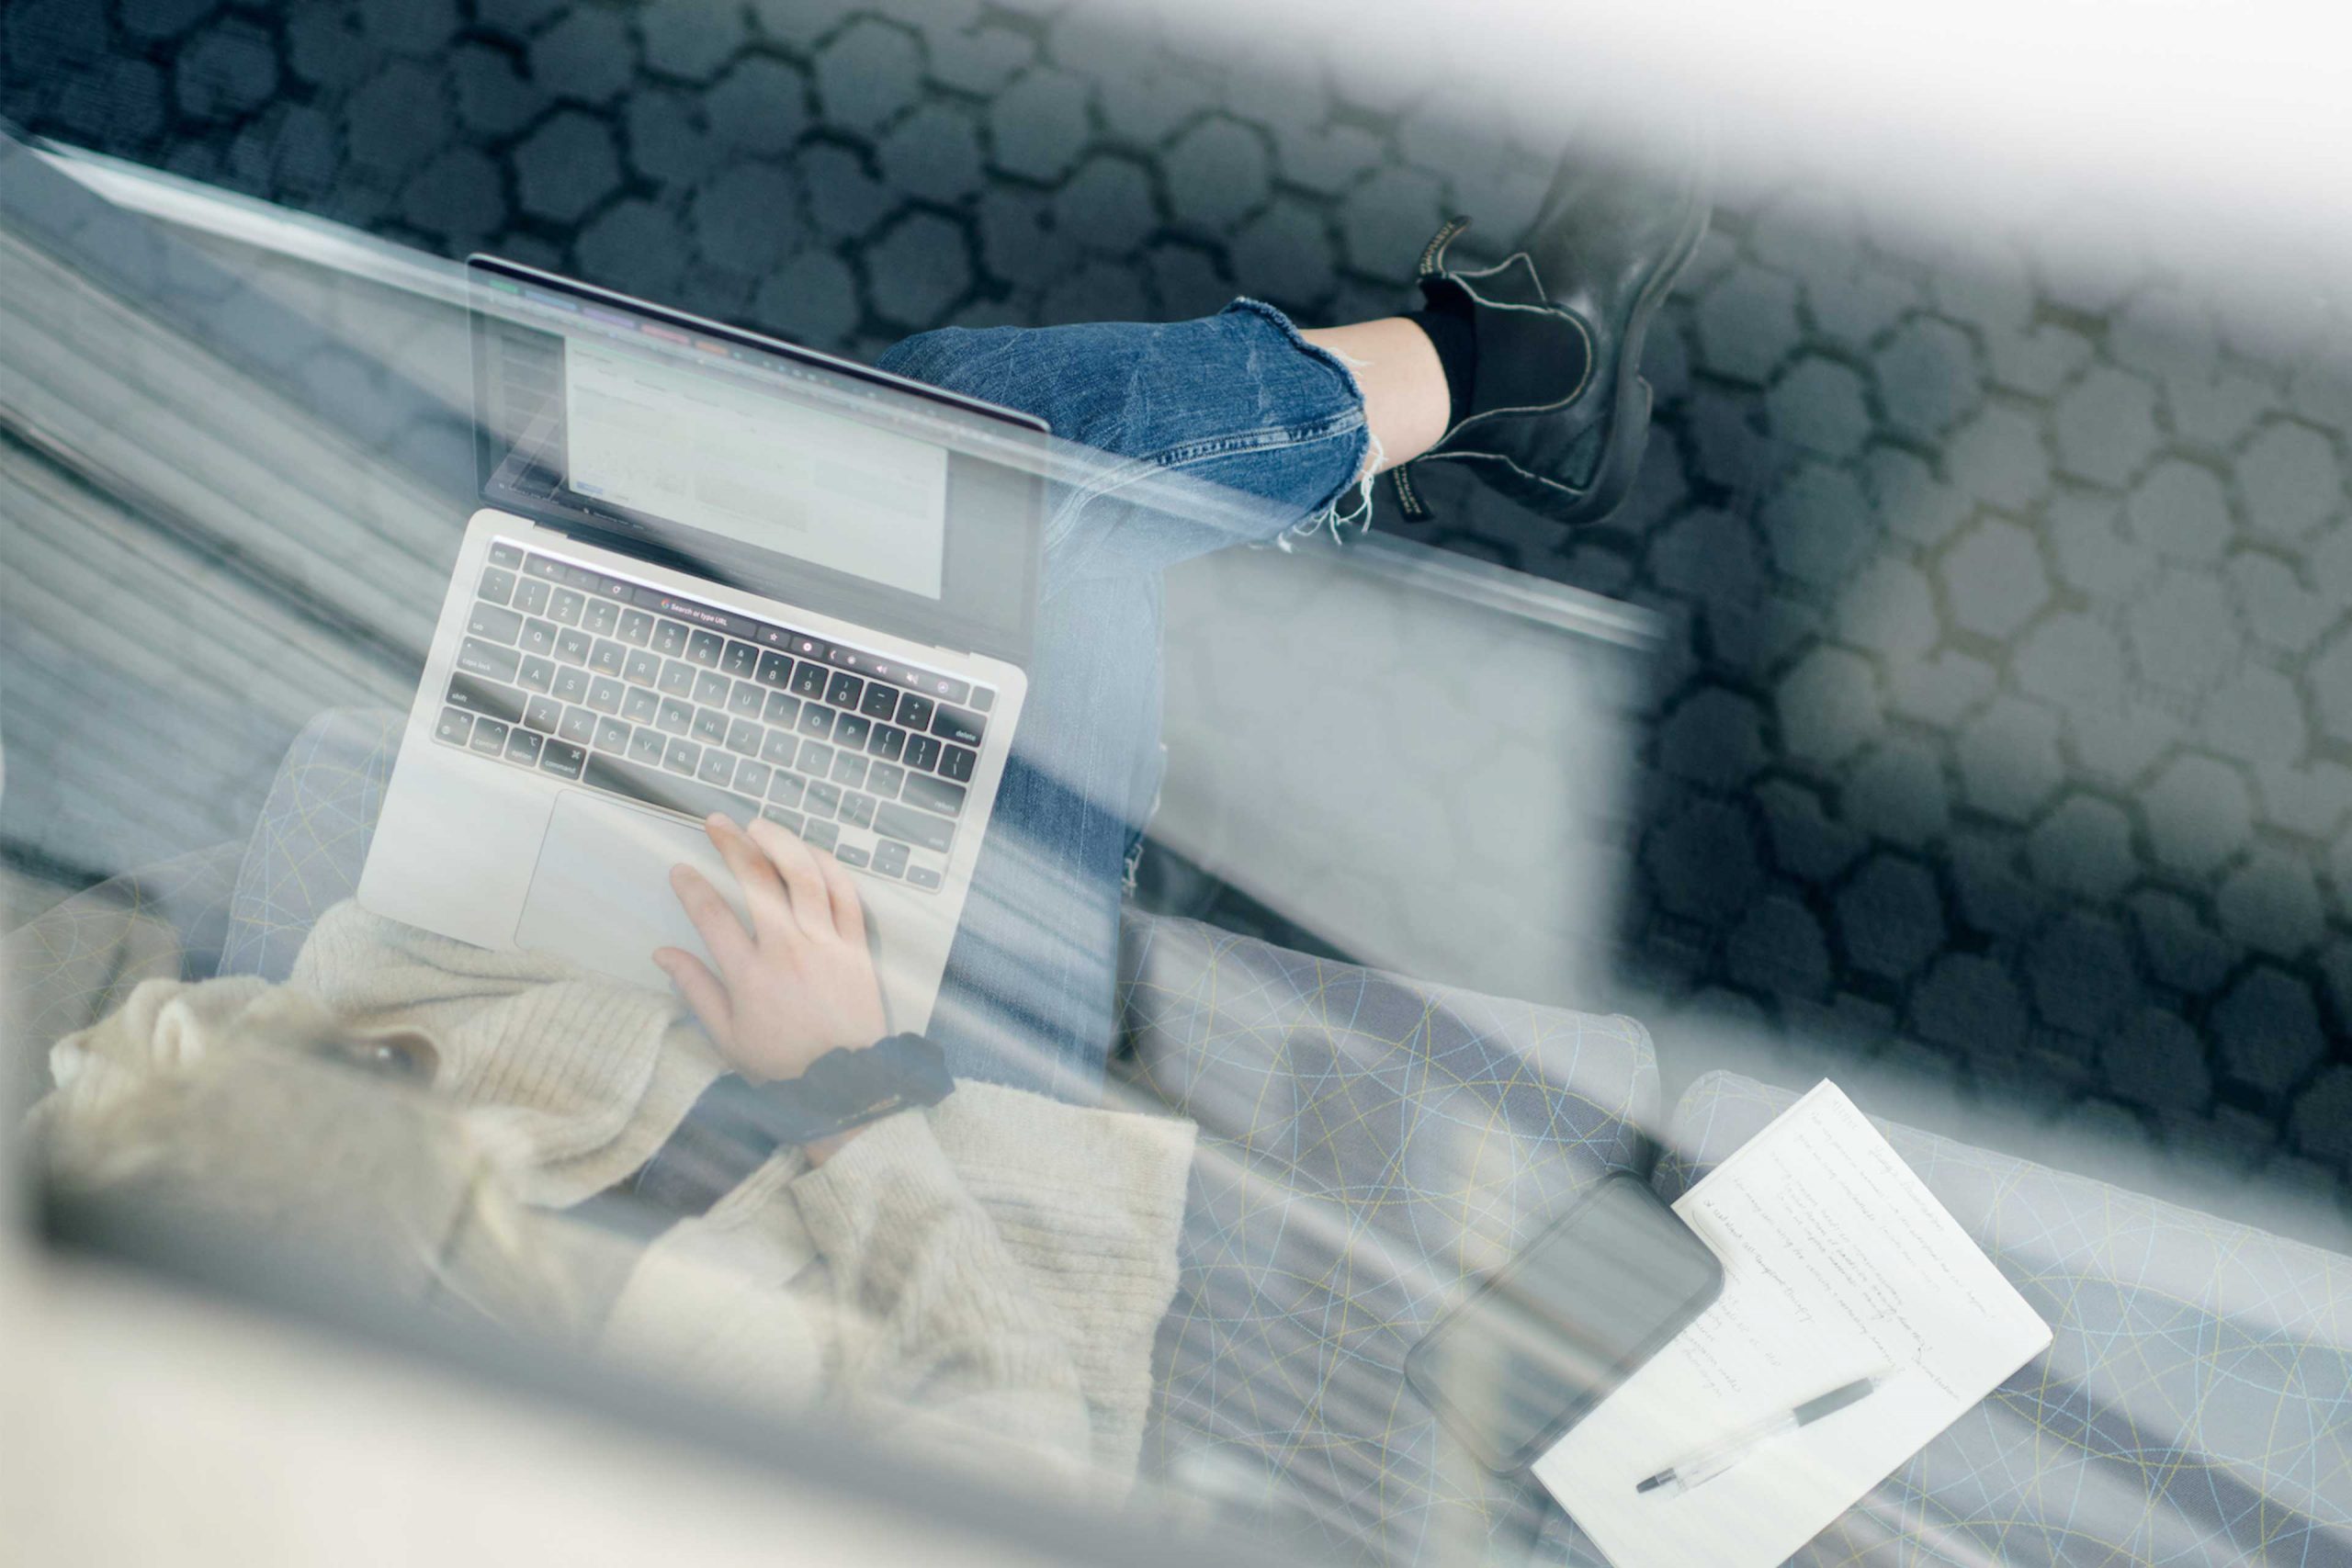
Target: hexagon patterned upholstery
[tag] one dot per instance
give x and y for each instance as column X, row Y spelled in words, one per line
column 2194, row 1409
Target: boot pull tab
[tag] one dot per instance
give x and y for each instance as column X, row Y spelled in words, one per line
column 1433, row 253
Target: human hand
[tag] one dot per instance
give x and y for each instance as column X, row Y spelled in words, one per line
column 799, row 982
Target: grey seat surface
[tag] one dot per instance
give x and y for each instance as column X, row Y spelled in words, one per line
column 1370, row 1145
column 2193, row 1408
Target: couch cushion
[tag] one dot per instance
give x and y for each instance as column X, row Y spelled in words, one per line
column 1369, row 1146
column 312, row 837
column 2195, row 1406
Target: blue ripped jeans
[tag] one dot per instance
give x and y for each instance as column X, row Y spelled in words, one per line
column 1240, row 399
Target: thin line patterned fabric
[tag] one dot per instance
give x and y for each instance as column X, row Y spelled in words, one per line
column 2193, row 1408
column 1369, row 1146
column 312, row 842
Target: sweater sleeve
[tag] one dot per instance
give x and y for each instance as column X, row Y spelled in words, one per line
column 945, row 1339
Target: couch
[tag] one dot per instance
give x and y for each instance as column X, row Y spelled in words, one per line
column 1371, row 1146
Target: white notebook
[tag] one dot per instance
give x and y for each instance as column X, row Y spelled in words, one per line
column 1838, row 1264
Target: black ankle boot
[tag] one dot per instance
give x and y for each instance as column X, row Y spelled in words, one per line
column 1559, row 412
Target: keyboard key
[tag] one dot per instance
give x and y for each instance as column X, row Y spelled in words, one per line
column 922, row 877
column 543, row 714
column 745, row 699
column 849, row 770
column 637, row 628
column 476, row 656
column 666, row 791
column 561, row 757
column 824, row 799
column 857, row 809
column 740, row 660
column 983, row 701
column 791, row 822
column 918, row 828
column 477, row 695
column 844, row 690
column 454, row 726
column 816, row 759
column 495, row 585
column 704, row 647
column 643, row 668
column 573, row 646
column 890, row 857
column 565, row 607
column 577, row 726
column 816, row 721
column 538, row 673
column 608, row 658
column 934, row 795
column 773, row 670
column 508, row 556
column 530, row 596
column 541, row 566
column 787, row 789
column 571, row 684
column 820, row 835
column 670, row 640
column 922, row 753
column 490, row 737
column 850, row 731
column 752, row 776
column 783, row 708
column 605, row 695
column 612, row 735
column 879, row 702
column 712, row 689
column 639, row 706
column 682, row 756
column 493, row 625
column 808, row 680
column 884, row 779
column 602, row 618
column 522, row 746
column 849, row 855
column 677, row 677
column 710, row 725
column 960, row 725
column 718, row 768
column 743, row 738
column 538, row 637
column 914, row 712
column 955, row 762
column 779, row 746
column 890, row 742
column 677, row 716
column 645, row 746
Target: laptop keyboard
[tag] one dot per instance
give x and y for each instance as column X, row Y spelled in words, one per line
column 691, row 708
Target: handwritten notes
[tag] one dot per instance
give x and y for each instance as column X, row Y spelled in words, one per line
column 1838, row 1264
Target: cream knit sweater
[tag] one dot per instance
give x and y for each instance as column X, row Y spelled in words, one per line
column 997, row 1264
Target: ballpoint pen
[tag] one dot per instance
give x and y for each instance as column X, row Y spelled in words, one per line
column 1718, row 1456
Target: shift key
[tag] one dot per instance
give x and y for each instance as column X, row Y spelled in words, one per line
column 487, row 697
column 920, row 828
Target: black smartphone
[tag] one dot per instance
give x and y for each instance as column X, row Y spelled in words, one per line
column 1514, row 1367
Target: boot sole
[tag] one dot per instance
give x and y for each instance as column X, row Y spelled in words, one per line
column 1621, row 455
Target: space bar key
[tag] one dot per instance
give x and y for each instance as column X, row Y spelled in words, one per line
column 664, row 790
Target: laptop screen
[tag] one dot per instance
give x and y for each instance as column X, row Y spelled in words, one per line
column 783, row 472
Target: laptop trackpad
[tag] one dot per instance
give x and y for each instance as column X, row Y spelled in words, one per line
column 601, row 894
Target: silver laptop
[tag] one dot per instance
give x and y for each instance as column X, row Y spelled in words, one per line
column 712, row 573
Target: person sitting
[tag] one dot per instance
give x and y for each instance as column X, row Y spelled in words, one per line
column 566, row 1155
